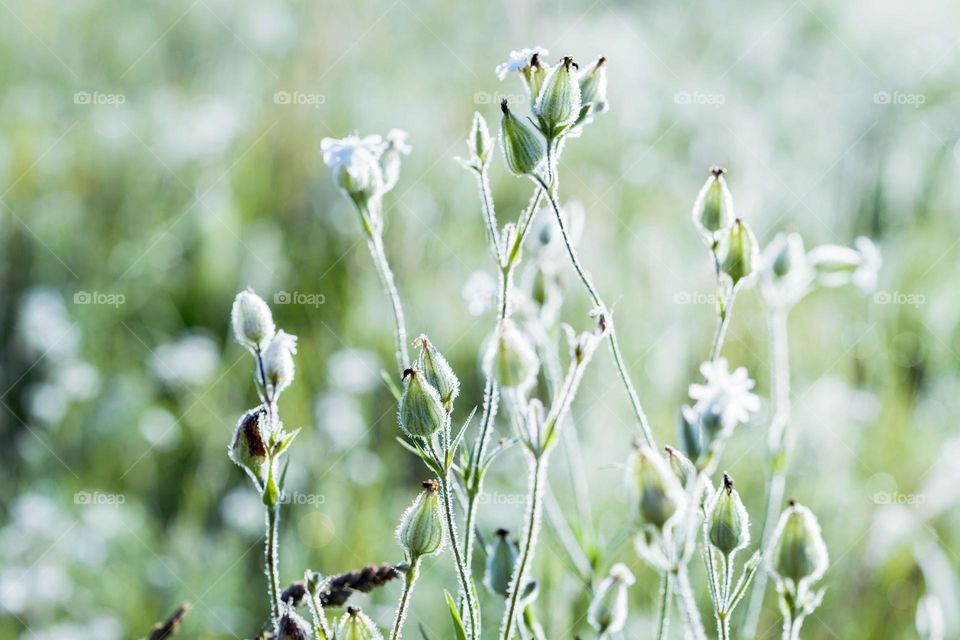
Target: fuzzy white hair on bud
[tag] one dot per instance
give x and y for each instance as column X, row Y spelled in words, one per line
column 252, row 320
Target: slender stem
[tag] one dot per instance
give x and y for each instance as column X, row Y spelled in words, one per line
column 271, row 560
column 489, row 214
column 666, row 587
column 776, row 483
column 408, row 584
column 531, row 532
column 320, row 626
column 689, row 604
column 723, row 322
column 611, row 331
column 463, row 572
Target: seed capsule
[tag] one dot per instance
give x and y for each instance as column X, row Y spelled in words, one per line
column 515, row 363
column 355, row 625
column 421, row 526
column 251, row 319
column 558, row 102
column 608, row 610
column 657, row 492
column 713, row 208
column 522, row 148
column 421, row 411
column 729, row 527
column 593, row 86
column 739, row 252
column 799, row 551
column 500, row 563
column 437, row 371
column 248, row 448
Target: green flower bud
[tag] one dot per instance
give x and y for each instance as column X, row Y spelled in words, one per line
column 252, row 321
column 355, row 625
column 534, row 74
column 728, row 525
column 437, row 371
column 421, row 411
column 593, row 86
column 608, row 610
column 657, row 494
column 292, row 627
column 681, row 466
column 800, row 554
column 501, row 560
column 739, row 252
column 690, row 433
column 248, row 448
column 479, row 142
column 558, row 103
column 515, row 363
column 522, row 148
column 713, row 208
column 421, row 526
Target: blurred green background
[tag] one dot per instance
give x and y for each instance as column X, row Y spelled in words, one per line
column 155, row 158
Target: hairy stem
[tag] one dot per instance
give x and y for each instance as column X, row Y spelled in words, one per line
column 271, row 561
column 723, row 321
column 463, row 572
column 408, row 583
column 666, row 587
column 688, row 603
column 531, row 533
column 320, row 626
column 776, row 483
column 638, row 411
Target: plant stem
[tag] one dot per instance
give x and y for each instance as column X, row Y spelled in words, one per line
column 666, row 587
column 531, row 532
column 271, row 560
column 463, row 572
column 638, row 411
column 320, row 626
column 776, row 483
column 688, row 603
column 722, row 324
column 411, row 578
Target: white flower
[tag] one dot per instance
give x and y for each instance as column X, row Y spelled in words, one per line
column 479, row 292
column 786, row 274
column 865, row 277
column 725, row 395
column 355, row 162
column 278, row 367
column 608, row 610
column 397, row 139
column 519, row 60
column 395, row 147
column 837, row 265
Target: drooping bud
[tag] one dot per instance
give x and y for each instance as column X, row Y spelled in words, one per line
column 713, row 208
column 248, row 448
column 437, row 371
column 390, row 158
column 292, row 627
column 355, row 165
column 690, row 432
column 278, row 366
column 729, row 527
column 421, row 526
column 252, row 321
column 479, row 142
column 608, row 610
column 558, row 103
column 355, row 625
column 799, row 551
column 739, row 252
column 514, row 361
column 657, row 494
column 421, row 410
column 786, row 255
column 501, row 560
column 593, row 86
column 523, row 149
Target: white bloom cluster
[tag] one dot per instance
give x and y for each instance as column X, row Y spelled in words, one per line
column 726, row 396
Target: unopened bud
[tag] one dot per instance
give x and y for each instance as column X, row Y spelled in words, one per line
column 248, row 448
column 252, row 321
column 355, row 625
column 437, row 371
column 593, row 86
column 608, row 610
column 515, row 363
column 729, row 527
column 479, row 142
column 522, row 148
column 292, row 627
column 558, row 103
column 421, row 526
column 390, row 159
column 421, row 410
column 278, row 366
column 656, row 491
column 713, row 208
column 799, row 551
column 501, row 560
column 690, row 432
column 681, row 466
column 739, row 252
column 535, row 73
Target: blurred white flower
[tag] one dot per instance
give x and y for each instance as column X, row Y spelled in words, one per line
column 725, row 395
column 837, row 265
column 192, row 360
column 354, row 161
column 865, row 277
column 519, row 60
column 339, row 418
column 159, row 427
column 479, row 292
column 354, row 370
column 45, row 326
column 397, row 139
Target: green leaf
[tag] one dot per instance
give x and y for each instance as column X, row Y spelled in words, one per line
column 424, row 634
column 461, row 633
column 394, row 389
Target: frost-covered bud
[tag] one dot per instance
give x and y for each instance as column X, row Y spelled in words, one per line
column 739, row 252
column 479, row 143
column 248, row 448
column 523, row 149
column 278, row 367
column 535, row 73
column 252, row 321
column 593, row 86
column 558, row 103
column 292, row 627
column 728, row 526
column 355, row 164
column 690, row 432
column 421, row 526
column 657, row 494
column 799, row 555
column 527, row 62
column 421, row 410
column 437, row 371
column 713, row 208
column 514, row 361
column 391, row 156
column 355, row 625
column 608, row 610
column 501, row 561
column 681, row 465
